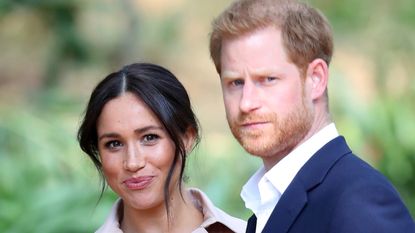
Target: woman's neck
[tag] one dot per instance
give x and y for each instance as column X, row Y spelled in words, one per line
column 184, row 216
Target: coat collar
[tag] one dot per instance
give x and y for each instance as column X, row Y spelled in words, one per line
column 295, row 197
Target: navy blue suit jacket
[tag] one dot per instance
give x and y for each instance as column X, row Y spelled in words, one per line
column 336, row 192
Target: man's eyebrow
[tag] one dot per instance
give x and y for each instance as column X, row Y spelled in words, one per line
column 230, row 74
column 258, row 72
column 265, row 71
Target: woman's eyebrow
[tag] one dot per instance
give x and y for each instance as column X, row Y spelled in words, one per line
column 108, row 135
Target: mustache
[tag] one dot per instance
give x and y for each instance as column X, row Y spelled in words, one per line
column 250, row 118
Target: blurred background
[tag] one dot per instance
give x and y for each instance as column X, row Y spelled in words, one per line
column 53, row 52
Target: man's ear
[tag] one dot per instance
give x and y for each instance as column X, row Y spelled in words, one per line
column 317, row 74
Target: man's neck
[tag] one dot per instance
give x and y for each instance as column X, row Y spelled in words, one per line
column 320, row 121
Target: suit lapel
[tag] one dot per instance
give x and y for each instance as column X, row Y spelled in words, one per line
column 287, row 209
column 251, row 226
column 310, row 175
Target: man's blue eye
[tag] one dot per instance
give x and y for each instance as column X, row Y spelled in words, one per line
column 238, row 82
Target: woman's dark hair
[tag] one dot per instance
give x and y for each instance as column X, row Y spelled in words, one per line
column 162, row 92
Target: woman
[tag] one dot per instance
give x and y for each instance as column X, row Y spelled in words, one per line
column 138, row 129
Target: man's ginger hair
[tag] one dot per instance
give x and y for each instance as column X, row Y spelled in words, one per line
column 306, row 33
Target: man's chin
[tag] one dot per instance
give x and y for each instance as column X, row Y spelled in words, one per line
column 256, row 149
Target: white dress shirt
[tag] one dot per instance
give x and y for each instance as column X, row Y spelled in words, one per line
column 263, row 190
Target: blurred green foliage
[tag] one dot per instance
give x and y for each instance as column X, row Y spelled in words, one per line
column 43, row 185
column 55, row 52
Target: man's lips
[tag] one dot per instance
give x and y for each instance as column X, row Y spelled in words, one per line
column 253, row 124
column 138, row 183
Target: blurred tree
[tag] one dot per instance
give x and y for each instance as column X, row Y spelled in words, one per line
column 383, row 33
column 60, row 18
column 47, row 183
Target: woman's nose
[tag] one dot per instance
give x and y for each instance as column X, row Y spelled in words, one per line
column 134, row 159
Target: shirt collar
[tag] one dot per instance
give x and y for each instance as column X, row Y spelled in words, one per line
column 250, row 191
column 112, row 223
column 285, row 170
column 213, row 214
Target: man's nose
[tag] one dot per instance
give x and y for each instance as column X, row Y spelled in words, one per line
column 250, row 97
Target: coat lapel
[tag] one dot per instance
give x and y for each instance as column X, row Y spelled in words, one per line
column 287, row 209
column 251, row 226
column 310, row 175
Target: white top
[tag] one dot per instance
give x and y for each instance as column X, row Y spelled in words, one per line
column 263, row 190
column 211, row 215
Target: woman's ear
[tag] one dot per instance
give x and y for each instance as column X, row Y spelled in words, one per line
column 189, row 139
column 317, row 74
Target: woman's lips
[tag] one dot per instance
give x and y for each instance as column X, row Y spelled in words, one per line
column 138, row 183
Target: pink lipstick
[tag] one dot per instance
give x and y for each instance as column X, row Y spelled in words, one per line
column 138, row 183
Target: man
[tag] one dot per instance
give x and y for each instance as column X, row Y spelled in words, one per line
column 272, row 57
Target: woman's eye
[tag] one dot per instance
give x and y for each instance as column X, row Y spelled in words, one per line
column 150, row 138
column 113, row 144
